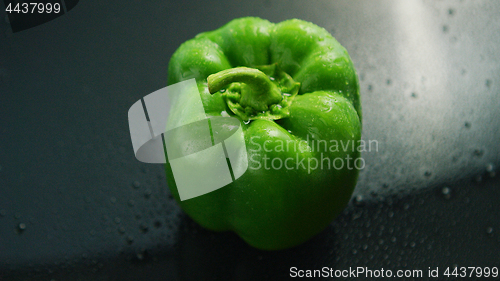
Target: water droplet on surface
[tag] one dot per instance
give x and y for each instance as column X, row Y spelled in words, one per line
column 121, row 229
column 489, row 167
column 451, row 12
column 113, row 200
column 358, row 200
column 147, row 193
column 489, row 230
column 136, row 184
column 388, row 81
column 144, row 228
column 130, row 239
column 140, row 255
column 467, row 125
column 446, row 191
column 21, row 227
column 478, row 152
column 118, row 220
column 414, row 95
column 478, row 178
column 131, row 203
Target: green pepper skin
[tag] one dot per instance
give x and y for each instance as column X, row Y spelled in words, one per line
column 275, row 209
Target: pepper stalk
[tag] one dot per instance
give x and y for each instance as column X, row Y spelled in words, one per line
column 264, row 92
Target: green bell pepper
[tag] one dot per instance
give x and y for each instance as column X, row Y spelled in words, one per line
column 296, row 92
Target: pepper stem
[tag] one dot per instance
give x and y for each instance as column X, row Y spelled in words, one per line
column 263, row 92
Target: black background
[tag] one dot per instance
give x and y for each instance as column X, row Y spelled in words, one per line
column 75, row 204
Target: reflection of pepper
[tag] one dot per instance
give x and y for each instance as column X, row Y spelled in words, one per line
column 296, row 91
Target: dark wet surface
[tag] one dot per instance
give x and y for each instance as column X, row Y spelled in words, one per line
column 75, row 204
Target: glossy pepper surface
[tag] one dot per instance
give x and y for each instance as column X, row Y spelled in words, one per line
column 296, row 92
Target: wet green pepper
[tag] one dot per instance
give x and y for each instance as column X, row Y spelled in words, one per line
column 296, row 92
